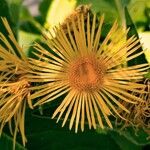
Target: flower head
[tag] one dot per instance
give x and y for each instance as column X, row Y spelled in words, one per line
column 140, row 113
column 14, row 84
column 88, row 71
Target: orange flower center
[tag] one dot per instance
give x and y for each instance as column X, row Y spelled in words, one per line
column 86, row 74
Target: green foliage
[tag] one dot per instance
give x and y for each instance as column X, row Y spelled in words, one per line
column 106, row 7
column 46, row 134
column 129, row 23
column 4, row 12
column 137, row 9
column 15, row 7
column 147, row 75
column 44, row 6
column 137, row 137
column 6, row 143
column 123, row 142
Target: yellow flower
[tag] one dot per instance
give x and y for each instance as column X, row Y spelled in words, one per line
column 88, row 71
column 14, row 84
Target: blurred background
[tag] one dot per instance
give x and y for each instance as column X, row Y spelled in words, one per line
column 49, row 13
column 32, row 6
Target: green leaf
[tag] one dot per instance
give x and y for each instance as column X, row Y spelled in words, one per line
column 6, row 143
column 30, row 24
column 15, row 9
column 56, row 140
column 147, row 75
column 4, row 12
column 4, row 9
column 137, row 10
column 128, row 135
column 45, row 133
column 43, row 8
column 125, row 2
column 147, row 13
column 26, row 40
column 106, row 7
column 53, row 18
column 25, row 14
column 129, row 23
column 123, row 142
column 139, row 138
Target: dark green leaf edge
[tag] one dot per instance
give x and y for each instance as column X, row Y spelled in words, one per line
column 129, row 24
column 6, row 143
